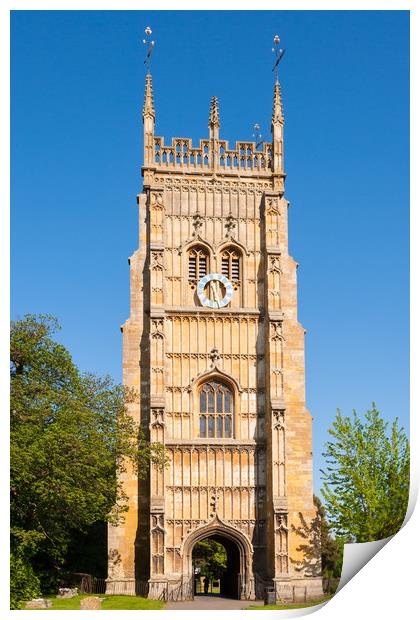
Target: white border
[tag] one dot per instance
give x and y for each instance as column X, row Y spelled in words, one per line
column 387, row 586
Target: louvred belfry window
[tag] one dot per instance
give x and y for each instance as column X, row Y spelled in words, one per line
column 231, row 265
column 198, row 261
column 216, row 410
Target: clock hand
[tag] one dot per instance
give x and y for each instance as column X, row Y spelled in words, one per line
column 216, row 296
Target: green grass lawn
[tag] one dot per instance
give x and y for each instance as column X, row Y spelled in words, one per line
column 291, row 605
column 108, row 602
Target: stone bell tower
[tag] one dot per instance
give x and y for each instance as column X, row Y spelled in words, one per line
column 215, row 349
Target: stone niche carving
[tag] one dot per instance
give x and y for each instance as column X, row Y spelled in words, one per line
column 230, row 225
column 214, row 499
column 157, row 417
column 215, row 356
column 197, row 223
column 274, row 265
column 157, row 217
column 157, row 535
column 276, row 331
column 281, row 531
column 272, row 222
column 274, row 273
column 157, row 329
column 157, row 199
column 278, row 419
column 156, row 280
column 156, row 259
column 272, row 205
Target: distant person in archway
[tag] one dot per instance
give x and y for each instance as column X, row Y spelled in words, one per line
column 206, row 584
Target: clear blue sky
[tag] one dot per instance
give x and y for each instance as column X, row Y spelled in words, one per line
column 77, row 93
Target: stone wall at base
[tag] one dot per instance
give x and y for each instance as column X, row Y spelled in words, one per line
column 299, row 590
column 121, row 587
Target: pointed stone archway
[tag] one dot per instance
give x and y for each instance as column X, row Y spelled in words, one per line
column 240, row 584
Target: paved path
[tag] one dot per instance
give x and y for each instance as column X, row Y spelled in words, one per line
column 211, row 602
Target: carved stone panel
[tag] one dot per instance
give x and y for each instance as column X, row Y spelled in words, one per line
column 281, row 534
column 157, row 547
column 272, row 222
column 156, row 277
column 157, row 214
column 274, row 273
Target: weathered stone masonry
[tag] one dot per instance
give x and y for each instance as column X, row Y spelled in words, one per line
column 242, row 475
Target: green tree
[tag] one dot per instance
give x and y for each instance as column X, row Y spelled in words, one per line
column 367, row 478
column 211, row 556
column 71, row 436
column 331, row 547
column 24, row 583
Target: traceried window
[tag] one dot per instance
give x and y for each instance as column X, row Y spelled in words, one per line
column 198, row 263
column 231, row 264
column 216, row 410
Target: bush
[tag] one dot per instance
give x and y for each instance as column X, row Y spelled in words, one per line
column 24, row 584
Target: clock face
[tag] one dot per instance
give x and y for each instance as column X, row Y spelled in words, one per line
column 214, row 290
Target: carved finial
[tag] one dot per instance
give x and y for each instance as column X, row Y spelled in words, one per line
column 214, row 355
column 277, row 105
column 214, row 118
column 148, row 108
column 213, row 503
column 197, row 222
column 230, row 224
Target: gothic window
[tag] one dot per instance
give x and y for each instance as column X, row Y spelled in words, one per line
column 231, row 264
column 198, row 263
column 216, row 410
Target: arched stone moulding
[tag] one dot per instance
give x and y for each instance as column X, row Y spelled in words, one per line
column 217, row 527
column 214, row 373
column 217, row 374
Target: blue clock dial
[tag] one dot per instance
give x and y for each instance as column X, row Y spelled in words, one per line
column 218, row 300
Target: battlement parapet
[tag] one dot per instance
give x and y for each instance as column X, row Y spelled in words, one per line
column 245, row 157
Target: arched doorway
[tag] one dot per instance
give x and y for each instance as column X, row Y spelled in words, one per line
column 238, row 581
column 216, row 567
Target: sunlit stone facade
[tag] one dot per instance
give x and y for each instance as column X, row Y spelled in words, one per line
column 221, row 376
